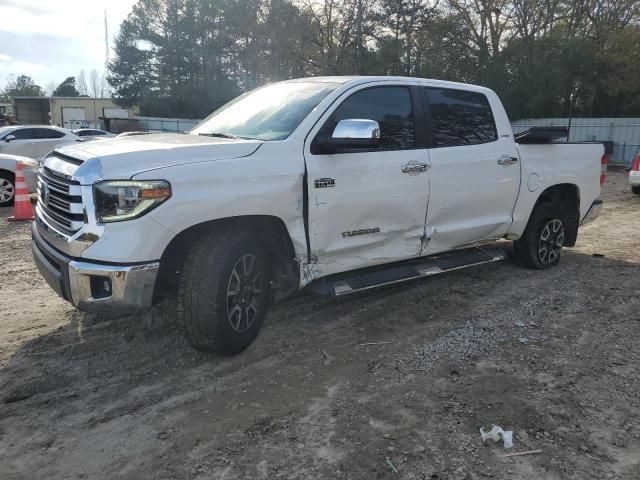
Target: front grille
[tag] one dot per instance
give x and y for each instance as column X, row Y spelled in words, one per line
column 60, row 201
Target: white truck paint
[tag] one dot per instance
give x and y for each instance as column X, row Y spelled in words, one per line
column 342, row 208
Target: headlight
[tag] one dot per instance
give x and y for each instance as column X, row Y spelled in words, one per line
column 118, row 200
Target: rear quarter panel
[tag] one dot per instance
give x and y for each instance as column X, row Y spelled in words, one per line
column 544, row 166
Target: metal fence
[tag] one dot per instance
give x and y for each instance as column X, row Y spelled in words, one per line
column 623, row 132
column 158, row 124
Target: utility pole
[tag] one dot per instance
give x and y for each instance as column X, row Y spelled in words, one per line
column 359, row 38
column 106, row 40
column 106, row 56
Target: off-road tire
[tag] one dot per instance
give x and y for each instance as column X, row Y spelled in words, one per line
column 636, row 189
column 526, row 249
column 203, row 291
column 8, row 177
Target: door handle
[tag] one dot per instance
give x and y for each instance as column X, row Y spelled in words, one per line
column 507, row 160
column 415, row 168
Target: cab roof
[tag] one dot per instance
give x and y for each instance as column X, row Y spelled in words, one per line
column 361, row 79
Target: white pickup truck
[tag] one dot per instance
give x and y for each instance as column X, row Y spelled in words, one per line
column 336, row 183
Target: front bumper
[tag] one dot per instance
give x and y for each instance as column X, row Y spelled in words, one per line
column 95, row 287
column 593, row 213
column 634, row 177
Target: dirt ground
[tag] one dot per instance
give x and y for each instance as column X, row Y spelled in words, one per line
column 394, row 383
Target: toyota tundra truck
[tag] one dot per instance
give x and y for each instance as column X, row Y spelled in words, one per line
column 333, row 184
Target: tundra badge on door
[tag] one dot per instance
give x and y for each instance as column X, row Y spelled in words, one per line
column 324, row 182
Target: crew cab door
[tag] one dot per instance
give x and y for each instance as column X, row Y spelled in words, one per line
column 367, row 207
column 475, row 170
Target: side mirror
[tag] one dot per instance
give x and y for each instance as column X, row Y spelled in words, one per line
column 355, row 132
column 8, row 138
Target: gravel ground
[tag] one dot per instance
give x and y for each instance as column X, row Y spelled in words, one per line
column 394, row 383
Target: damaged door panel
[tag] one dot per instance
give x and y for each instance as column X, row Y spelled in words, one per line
column 368, row 205
column 475, row 172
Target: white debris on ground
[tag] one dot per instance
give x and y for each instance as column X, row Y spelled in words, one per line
column 496, row 434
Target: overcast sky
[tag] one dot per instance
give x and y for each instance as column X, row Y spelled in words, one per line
column 50, row 40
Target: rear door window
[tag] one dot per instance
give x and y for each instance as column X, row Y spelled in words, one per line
column 47, row 133
column 460, row 117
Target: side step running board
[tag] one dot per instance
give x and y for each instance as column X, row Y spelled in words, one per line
column 371, row 278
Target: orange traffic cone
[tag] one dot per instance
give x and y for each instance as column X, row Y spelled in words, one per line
column 22, row 209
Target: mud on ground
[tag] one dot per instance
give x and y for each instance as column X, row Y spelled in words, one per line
column 401, row 378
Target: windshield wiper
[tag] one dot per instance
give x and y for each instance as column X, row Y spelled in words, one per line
column 218, row 134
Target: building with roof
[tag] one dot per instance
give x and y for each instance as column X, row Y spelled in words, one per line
column 68, row 112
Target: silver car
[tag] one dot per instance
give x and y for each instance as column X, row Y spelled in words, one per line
column 8, row 178
column 34, row 141
column 92, row 133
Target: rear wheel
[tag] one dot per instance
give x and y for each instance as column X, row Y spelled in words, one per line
column 7, row 189
column 540, row 245
column 636, row 189
column 224, row 292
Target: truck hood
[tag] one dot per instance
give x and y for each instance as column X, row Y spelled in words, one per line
column 127, row 156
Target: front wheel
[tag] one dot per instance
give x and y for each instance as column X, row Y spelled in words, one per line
column 7, row 189
column 636, row 189
column 540, row 244
column 224, row 292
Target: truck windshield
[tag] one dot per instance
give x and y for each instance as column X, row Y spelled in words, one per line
column 267, row 113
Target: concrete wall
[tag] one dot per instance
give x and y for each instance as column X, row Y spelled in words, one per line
column 93, row 108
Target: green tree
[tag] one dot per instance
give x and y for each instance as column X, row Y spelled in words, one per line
column 131, row 73
column 22, row 86
column 174, row 57
column 618, row 60
column 543, row 57
column 67, row 88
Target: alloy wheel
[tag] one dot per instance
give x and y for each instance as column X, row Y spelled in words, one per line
column 551, row 241
column 244, row 293
column 7, row 190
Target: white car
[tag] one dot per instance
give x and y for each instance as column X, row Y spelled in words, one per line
column 340, row 184
column 92, row 133
column 34, row 141
column 7, row 176
column 634, row 175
